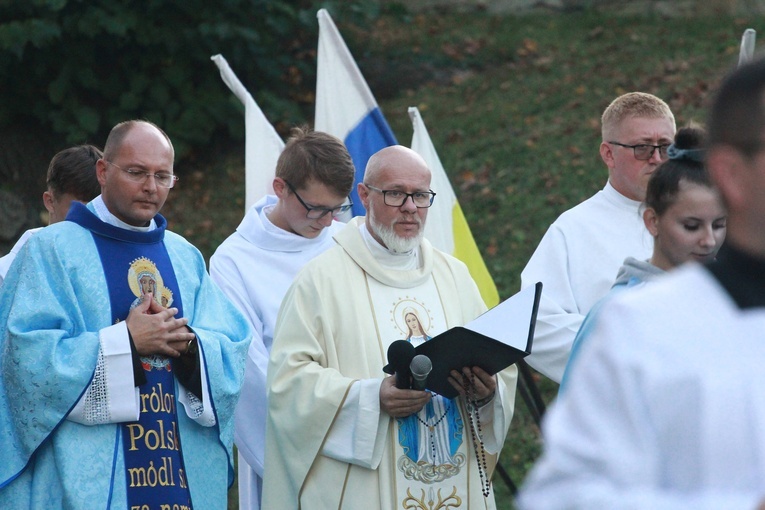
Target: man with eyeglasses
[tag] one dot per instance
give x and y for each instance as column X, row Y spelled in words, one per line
column 342, row 435
column 580, row 254
column 122, row 360
column 256, row 265
column 71, row 177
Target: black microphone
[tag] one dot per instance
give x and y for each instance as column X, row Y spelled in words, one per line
column 420, row 368
column 400, row 354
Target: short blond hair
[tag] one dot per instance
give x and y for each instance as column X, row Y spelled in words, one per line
column 633, row 104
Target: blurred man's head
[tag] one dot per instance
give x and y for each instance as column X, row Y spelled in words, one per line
column 314, row 176
column 136, row 172
column 636, row 128
column 736, row 159
column 71, row 177
column 396, row 194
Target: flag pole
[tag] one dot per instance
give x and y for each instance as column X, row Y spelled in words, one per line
column 746, row 53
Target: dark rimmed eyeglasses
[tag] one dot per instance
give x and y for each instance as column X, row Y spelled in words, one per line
column 644, row 151
column 316, row 213
column 163, row 179
column 396, row 198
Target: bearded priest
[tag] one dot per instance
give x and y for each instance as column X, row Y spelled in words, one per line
column 342, row 435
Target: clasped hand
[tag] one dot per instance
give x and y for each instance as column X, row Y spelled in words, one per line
column 155, row 330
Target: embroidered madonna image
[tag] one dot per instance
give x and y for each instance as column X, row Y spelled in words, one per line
column 143, row 278
column 431, row 438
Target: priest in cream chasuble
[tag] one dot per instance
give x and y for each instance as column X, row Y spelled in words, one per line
column 331, row 442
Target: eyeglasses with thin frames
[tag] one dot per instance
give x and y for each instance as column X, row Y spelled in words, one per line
column 644, row 151
column 316, row 213
column 396, row 198
column 163, row 179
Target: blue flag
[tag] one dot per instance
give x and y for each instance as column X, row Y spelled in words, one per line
column 345, row 106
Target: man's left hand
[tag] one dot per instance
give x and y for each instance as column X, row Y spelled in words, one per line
column 485, row 385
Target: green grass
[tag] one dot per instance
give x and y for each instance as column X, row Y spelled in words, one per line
column 512, row 104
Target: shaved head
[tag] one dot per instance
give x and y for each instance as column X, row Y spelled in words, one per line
column 392, row 157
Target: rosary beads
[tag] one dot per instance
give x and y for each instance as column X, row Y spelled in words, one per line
column 475, row 422
column 431, row 429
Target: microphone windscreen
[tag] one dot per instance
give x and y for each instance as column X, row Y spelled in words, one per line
column 420, row 366
column 400, row 354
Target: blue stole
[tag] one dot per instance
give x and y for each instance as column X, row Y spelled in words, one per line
column 135, row 263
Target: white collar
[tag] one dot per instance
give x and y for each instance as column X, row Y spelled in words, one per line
column 106, row 216
column 256, row 228
column 614, row 196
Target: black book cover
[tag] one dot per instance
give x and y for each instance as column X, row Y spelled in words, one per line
column 466, row 346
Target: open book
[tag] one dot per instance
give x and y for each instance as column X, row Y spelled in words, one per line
column 493, row 341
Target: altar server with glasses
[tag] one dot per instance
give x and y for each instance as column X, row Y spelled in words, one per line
column 257, row 263
column 579, row 256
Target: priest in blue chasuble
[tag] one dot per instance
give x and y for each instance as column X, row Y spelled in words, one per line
column 120, row 360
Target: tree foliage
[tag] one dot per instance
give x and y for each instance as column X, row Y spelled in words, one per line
column 76, row 67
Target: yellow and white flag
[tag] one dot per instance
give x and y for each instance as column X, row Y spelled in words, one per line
column 446, row 227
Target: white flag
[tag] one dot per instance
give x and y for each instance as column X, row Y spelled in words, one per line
column 262, row 143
